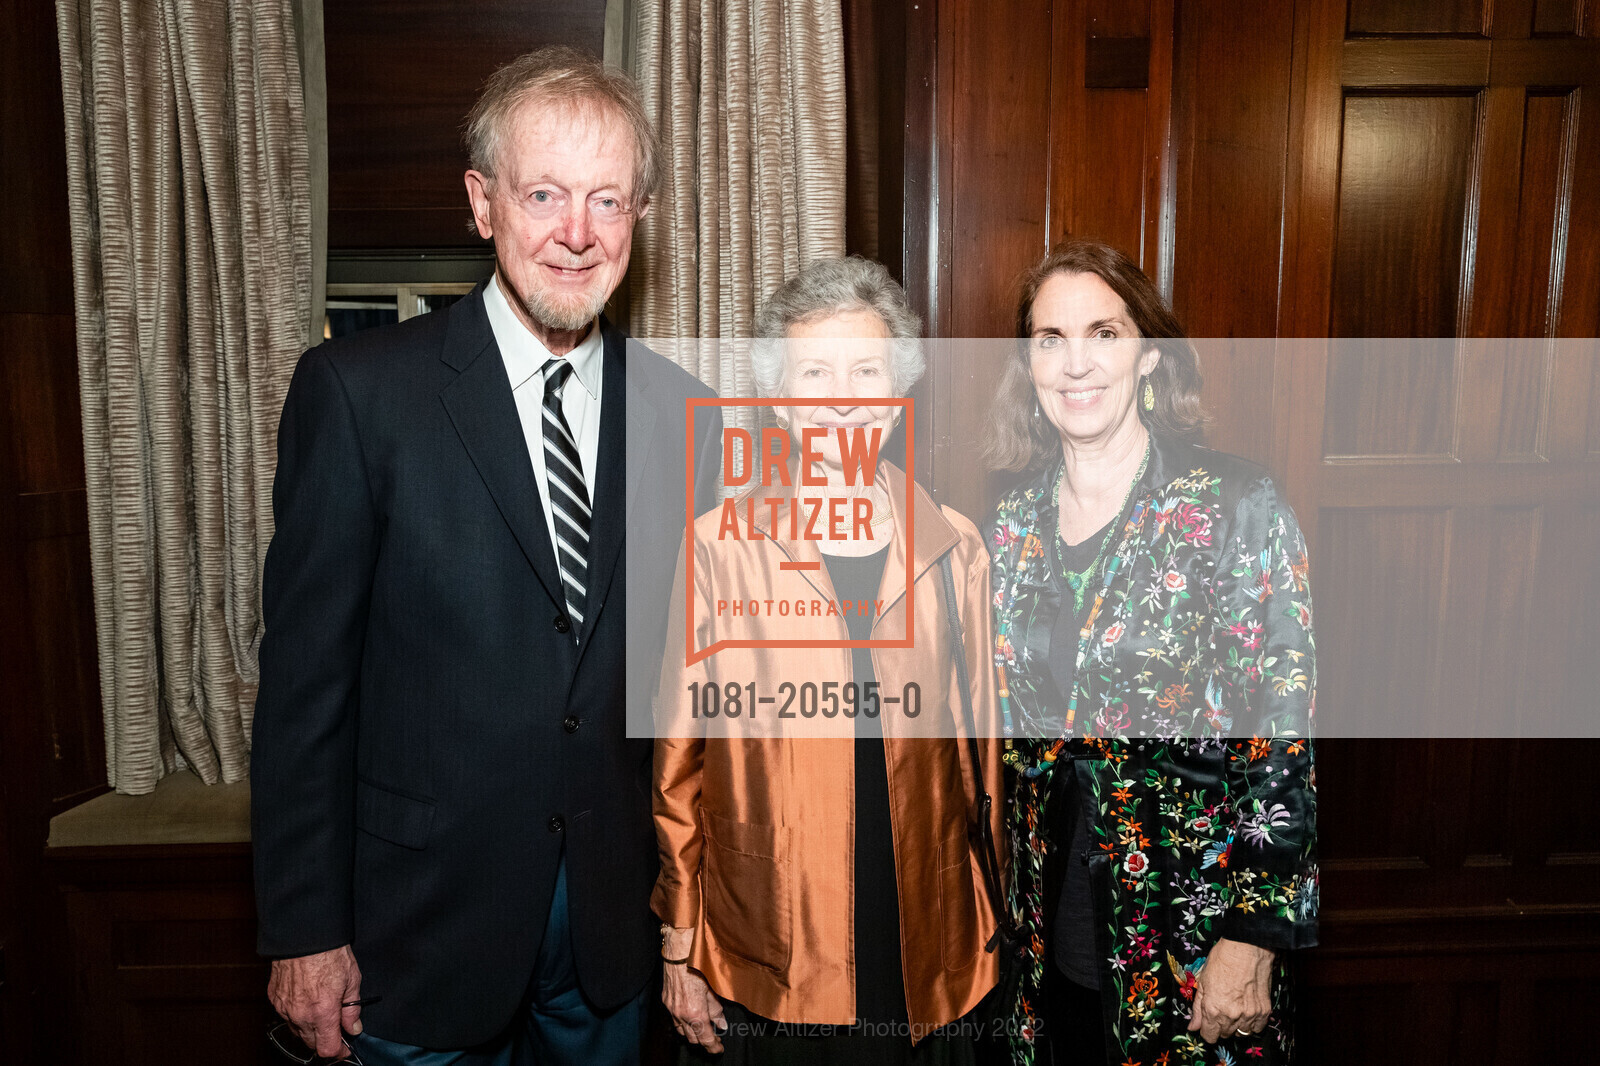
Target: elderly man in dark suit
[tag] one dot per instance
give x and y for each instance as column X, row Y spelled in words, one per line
column 453, row 843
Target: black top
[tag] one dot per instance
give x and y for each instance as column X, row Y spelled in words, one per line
column 880, row 979
column 1073, row 946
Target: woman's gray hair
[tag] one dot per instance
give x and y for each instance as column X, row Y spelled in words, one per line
column 828, row 287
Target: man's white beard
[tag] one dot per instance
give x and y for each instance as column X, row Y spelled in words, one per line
column 569, row 313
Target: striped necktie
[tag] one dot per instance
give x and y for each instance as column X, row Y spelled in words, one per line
column 569, row 496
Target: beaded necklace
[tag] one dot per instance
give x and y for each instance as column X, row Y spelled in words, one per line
column 1049, row 756
column 1047, row 759
column 1078, row 580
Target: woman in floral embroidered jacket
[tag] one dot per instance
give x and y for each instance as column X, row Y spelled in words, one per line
column 1157, row 670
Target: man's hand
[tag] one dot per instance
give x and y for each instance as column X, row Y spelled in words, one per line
column 308, row 991
column 1233, row 992
column 696, row 1011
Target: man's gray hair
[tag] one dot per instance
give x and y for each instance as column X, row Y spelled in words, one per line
column 568, row 78
column 829, row 287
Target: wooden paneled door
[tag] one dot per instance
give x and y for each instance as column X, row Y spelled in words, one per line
column 1443, row 184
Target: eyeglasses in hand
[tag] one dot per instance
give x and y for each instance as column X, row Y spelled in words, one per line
column 287, row 1043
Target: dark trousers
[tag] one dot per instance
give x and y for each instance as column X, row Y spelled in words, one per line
column 1073, row 1021
column 556, row 1026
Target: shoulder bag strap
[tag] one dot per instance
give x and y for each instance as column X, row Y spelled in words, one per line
column 983, row 804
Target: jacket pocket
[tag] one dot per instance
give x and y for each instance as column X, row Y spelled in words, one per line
column 745, row 887
column 958, row 902
column 402, row 820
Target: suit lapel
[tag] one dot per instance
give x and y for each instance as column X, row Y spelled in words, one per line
column 625, row 415
column 480, row 404
column 641, row 415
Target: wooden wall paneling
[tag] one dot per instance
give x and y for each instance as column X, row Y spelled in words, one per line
column 1400, row 262
column 1426, row 1019
column 1417, row 16
column 862, row 82
column 1158, row 216
column 1111, row 175
column 1574, row 397
column 163, row 946
column 1069, row 120
column 1553, row 18
column 925, row 148
column 49, row 735
column 1485, row 633
column 998, row 205
column 1556, row 18
column 1403, row 200
column 1388, row 63
column 875, row 81
column 1577, row 310
column 861, row 133
column 25, row 762
column 992, row 206
column 1230, row 92
column 1545, row 62
column 35, row 242
column 40, row 378
column 1490, row 265
column 401, row 78
column 41, row 384
column 1592, row 450
column 1476, row 987
column 1511, row 19
column 1538, row 265
column 1553, row 795
column 1097, row 144
column 1396, row 557
column 1493, row 664
column 1231, row 127
column 921, row 118
column 65, row 655
column 1311, row 189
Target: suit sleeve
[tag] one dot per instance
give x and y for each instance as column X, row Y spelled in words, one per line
column 680, row 759
column 679, row 756
column 708, row 467
column 1269, row 664
column 316, row 590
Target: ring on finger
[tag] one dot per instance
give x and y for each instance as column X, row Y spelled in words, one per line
column 1242, row 1032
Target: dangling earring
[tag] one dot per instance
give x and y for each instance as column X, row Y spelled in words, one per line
column 1149, row 396
column 1038, row 412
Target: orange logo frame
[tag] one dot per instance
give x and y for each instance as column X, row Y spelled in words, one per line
column 693, row 655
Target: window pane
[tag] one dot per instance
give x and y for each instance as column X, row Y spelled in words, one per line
column 348, row 315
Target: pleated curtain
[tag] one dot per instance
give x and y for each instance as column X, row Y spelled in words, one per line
column 196, row 239
column 749, row 101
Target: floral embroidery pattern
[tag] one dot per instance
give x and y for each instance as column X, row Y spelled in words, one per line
column 1198, row 686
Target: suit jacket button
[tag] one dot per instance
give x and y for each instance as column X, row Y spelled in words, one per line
column 556, row 823
column 562, row 625
column 570, row 723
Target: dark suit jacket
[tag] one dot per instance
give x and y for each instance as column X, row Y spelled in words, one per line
column 428, row 734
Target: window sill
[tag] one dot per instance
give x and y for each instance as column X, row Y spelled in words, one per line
column 181, row 811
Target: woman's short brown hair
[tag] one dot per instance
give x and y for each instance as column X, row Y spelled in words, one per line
column 1020, row 437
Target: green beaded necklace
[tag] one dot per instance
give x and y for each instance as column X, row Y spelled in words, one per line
column 1078, row 580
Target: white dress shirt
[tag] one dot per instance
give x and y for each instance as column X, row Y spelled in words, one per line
column 524, row 355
